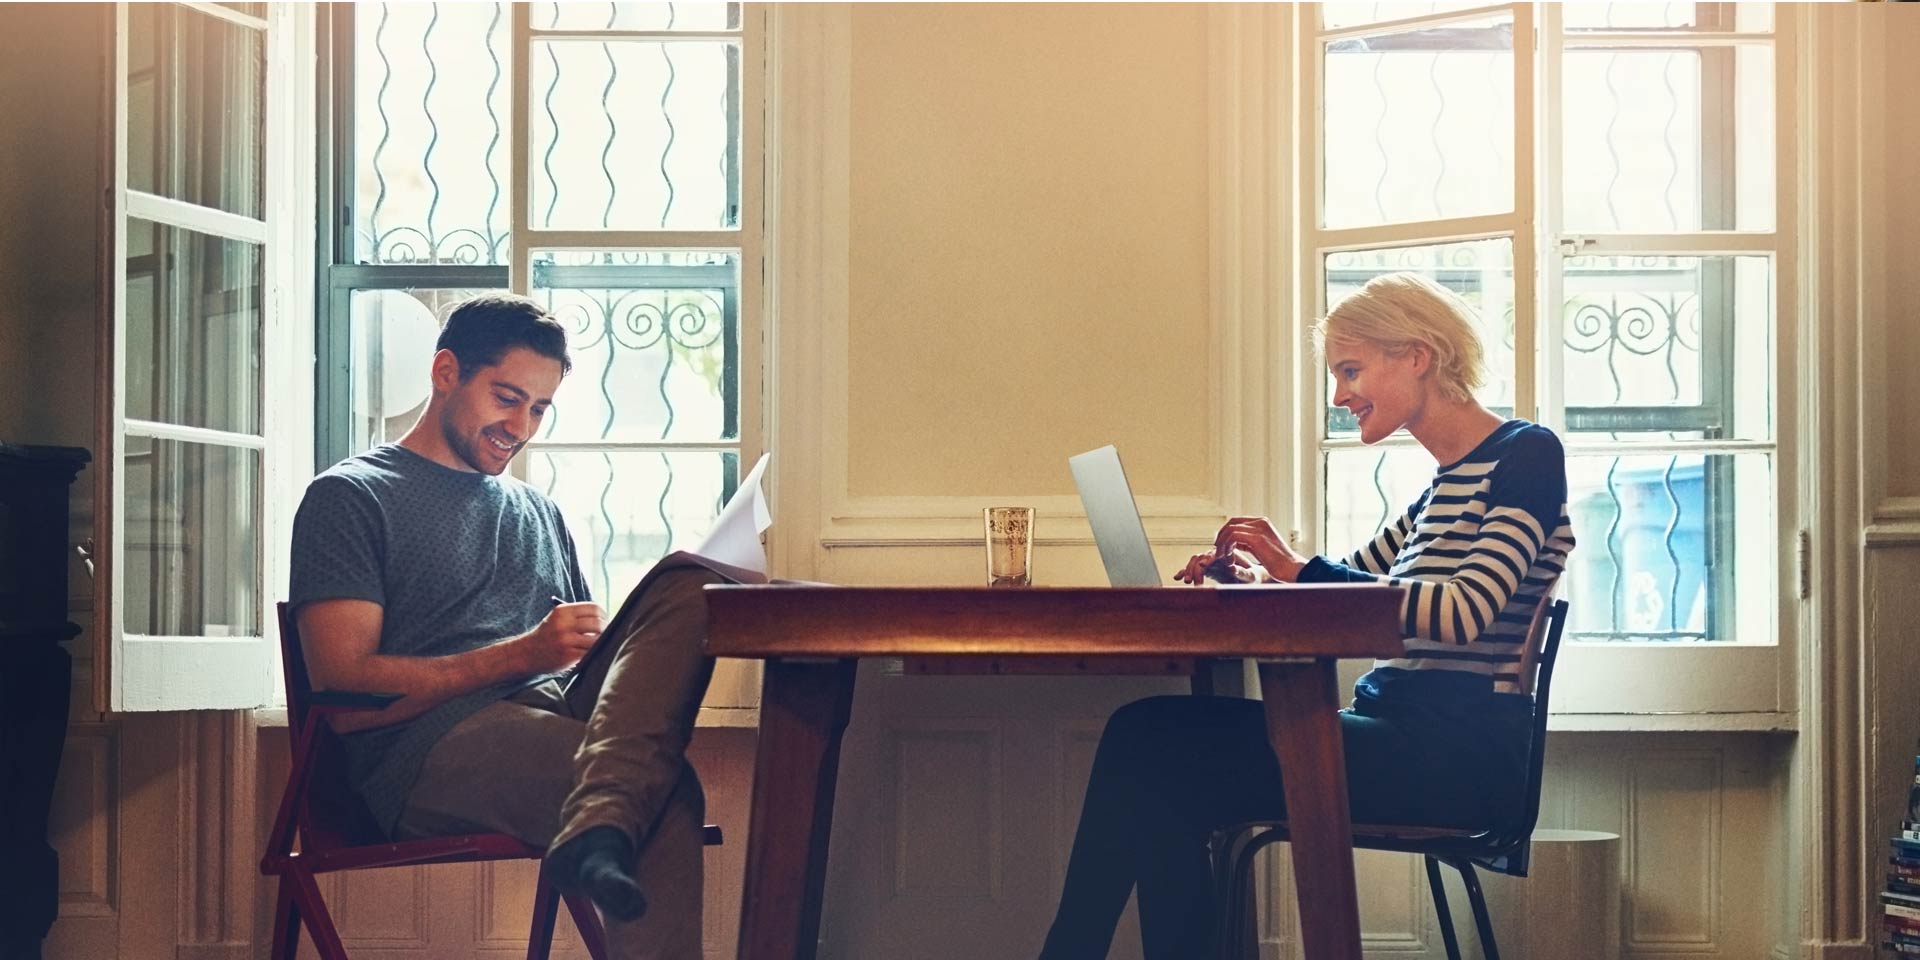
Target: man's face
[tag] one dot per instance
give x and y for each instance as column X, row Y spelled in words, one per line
column 487, row 418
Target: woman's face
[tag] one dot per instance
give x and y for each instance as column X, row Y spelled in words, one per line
column 1384, row 392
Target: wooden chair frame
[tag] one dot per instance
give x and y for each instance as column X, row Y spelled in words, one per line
column 336, row 833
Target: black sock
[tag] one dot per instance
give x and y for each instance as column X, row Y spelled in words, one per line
column 599, row 863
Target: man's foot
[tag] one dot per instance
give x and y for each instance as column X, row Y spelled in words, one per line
column 599, row 863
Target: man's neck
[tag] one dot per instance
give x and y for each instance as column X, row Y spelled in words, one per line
column 427, row 439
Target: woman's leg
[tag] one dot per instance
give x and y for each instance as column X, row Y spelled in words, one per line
column 1168, row 772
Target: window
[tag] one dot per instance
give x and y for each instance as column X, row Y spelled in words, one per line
column 203, row 265
column 1603, row 183
column 600, row 158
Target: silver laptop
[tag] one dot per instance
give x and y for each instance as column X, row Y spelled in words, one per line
column 1115, row 518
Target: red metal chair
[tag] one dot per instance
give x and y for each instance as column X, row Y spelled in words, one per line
column 336, row 833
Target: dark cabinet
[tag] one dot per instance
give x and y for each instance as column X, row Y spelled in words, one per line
column 36, row 680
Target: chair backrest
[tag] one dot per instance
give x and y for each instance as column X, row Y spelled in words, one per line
column 293, row 670
column 1536, row 673
column 330, row 815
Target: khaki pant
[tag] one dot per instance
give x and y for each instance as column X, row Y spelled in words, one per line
column 607, row 749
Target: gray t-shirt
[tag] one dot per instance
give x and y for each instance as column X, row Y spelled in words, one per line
column 457, row 560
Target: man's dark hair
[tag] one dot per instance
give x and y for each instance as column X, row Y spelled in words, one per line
column 480, row 331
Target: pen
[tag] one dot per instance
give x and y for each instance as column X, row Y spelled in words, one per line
column 557, row 601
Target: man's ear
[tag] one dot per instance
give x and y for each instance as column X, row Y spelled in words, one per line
column 446, row 372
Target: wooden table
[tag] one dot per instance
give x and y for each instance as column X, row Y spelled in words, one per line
column 813, row 636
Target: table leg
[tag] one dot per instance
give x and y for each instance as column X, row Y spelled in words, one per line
column 803, row 711
column 1305, row 730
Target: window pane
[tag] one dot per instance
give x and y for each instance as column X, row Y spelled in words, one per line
column 655, row 344
column 192, row 554
column 430, row 129
column 1655, row 345
column 634, row 135
column 636, row 16
column 1366, row 488
column 1419, row 125
column 1672, row 547
column 1480, row 271
column 1745, row 16
column 196, row 87
column 1668, row 140
column 393, row 334
column 193, row 306
column 627, row 510
column 1338, row 15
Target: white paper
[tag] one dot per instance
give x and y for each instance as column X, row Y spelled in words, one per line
column 735, row 537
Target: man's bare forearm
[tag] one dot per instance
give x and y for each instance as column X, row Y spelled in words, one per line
column 426, row 682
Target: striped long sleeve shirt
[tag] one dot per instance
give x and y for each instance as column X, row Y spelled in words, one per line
column 1477, row 551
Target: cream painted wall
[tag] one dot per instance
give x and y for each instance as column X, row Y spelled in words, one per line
column 1028, row 247
column 1902, row 35
column 125, row 785
column 50, row 97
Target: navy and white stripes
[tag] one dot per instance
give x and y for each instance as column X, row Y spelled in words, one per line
column 1477, row 552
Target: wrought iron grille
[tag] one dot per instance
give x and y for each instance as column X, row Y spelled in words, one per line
column 632, row 123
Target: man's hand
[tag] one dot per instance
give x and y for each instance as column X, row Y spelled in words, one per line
column 568, row 632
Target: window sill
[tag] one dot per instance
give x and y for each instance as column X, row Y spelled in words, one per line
column 1770, row 723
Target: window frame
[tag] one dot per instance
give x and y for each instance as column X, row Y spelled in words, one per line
column 342, row 276
column 156, row 672
column 1747, row 681
column 744, row 310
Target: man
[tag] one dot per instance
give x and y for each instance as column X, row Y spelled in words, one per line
column 419, row 570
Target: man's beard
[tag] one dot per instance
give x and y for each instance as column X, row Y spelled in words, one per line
column 465, row 448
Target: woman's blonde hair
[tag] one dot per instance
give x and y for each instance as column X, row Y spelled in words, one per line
column 1398, row 311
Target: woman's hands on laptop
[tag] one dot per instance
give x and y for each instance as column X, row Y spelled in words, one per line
column 1246, row 550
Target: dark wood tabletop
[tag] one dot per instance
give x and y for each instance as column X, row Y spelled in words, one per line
column 813, row 635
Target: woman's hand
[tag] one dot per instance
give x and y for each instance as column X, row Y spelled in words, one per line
column 1195, row 572
column 1256, row 538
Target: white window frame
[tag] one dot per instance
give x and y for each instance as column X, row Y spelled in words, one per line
column 1740, row 683
column 200, row 672
column 732, row 696
column 743, row 240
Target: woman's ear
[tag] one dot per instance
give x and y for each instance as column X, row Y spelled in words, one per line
column 1420, row 357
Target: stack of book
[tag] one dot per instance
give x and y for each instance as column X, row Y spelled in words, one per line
column 1901, row 900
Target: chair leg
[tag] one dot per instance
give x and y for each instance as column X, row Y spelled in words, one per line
column 546, row 907
column 286, row 923
column 312, row 909
column 1229, row 900
column 587, row 921
column 1246, row 926
column 1488, row 948
column 1440, row 909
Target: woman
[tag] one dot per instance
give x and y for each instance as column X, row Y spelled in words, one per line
column 1436, row 737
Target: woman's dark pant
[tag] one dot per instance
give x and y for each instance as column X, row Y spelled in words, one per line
column 1171, row 770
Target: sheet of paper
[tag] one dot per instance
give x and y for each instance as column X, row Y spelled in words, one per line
column 735, row 537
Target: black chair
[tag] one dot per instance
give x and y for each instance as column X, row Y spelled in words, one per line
column 1502, row 849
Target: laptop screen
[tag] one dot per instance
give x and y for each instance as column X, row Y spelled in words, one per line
column 1115, row 518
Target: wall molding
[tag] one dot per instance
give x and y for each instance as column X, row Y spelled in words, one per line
column 1831, row 869
column 219, row 774
column 1896, row 522
column 95, row 750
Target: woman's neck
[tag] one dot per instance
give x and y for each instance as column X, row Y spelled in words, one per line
column 1450, row 431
